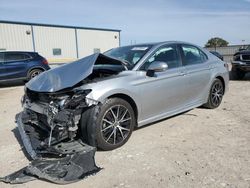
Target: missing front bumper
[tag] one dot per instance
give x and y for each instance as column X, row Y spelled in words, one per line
column 62, row 163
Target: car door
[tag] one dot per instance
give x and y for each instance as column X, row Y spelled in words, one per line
column 165, row 91
column 15, row 65
column 2, row 67
column 198, row 72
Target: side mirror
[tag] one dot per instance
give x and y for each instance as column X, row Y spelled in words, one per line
column 156, row 66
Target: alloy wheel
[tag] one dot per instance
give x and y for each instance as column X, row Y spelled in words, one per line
column 217, row 93
column 116, row 124
column 35, row 73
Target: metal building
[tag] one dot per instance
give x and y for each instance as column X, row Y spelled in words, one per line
column 57, row 43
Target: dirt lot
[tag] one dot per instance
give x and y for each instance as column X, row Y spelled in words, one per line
column 200, row 148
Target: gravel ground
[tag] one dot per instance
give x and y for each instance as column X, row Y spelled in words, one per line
column 199, row 148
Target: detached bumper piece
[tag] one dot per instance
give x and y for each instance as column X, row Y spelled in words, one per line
column 63, row 163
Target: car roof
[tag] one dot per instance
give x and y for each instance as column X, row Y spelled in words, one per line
column 160, row 43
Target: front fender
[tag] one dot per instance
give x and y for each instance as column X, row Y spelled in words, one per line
column 102, row 96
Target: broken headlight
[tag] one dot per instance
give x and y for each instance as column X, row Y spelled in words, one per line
column 77, row 100
column 62, row 100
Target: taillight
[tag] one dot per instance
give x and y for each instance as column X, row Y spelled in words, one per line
column 45, row 62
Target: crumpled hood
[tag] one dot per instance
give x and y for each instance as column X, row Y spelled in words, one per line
column 70, row 74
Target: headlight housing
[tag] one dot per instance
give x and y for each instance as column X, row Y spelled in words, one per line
column 236, row 57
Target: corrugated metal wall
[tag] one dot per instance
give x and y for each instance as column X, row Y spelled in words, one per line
column 49, row 38
column 70, row 43
column 15, row 37
column 88, row 40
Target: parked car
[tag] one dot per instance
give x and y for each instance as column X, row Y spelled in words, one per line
column 217, row 54
column 241, row 63
column 103, row 97
column 21, row 65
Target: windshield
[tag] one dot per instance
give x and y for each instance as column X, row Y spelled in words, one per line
column 130, row 54
column 248, row 48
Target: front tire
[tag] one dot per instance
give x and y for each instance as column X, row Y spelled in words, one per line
column 109, row 125
column 215, row 95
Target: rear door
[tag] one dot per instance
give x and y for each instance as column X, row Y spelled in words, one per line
column 198, row 72
column 15, row 65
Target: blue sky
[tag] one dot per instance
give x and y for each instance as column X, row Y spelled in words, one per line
column 142, row 21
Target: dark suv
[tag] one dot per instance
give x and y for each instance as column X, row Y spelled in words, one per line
column 21, row 65
column 241, row 63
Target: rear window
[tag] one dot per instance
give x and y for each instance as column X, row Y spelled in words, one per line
column 9, row 57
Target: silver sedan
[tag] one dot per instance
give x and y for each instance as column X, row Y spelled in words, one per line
column 103, row 97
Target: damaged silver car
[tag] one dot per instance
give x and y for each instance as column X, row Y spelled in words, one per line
column 97, row 101
column 101, row 98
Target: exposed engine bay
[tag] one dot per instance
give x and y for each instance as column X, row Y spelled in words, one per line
column 49, row 124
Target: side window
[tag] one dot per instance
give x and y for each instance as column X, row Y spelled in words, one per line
column 12, row 57
column 167, row 54
column 25, row 56
column 1, row 57
column 193, row 55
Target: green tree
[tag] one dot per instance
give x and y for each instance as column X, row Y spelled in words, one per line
column 216, row 42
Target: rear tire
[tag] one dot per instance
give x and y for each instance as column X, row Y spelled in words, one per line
column 33, row 73
column 109, row 125
column 215, row 94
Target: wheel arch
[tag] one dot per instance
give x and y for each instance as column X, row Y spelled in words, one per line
column 36, row 67
column 33, row 68
column 129, row 99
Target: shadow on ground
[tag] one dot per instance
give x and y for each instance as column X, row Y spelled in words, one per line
column 10, row 84
column 246, row 78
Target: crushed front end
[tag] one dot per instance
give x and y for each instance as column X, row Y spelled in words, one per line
column 49, row 128
column 49, row 124
column 56, row 114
